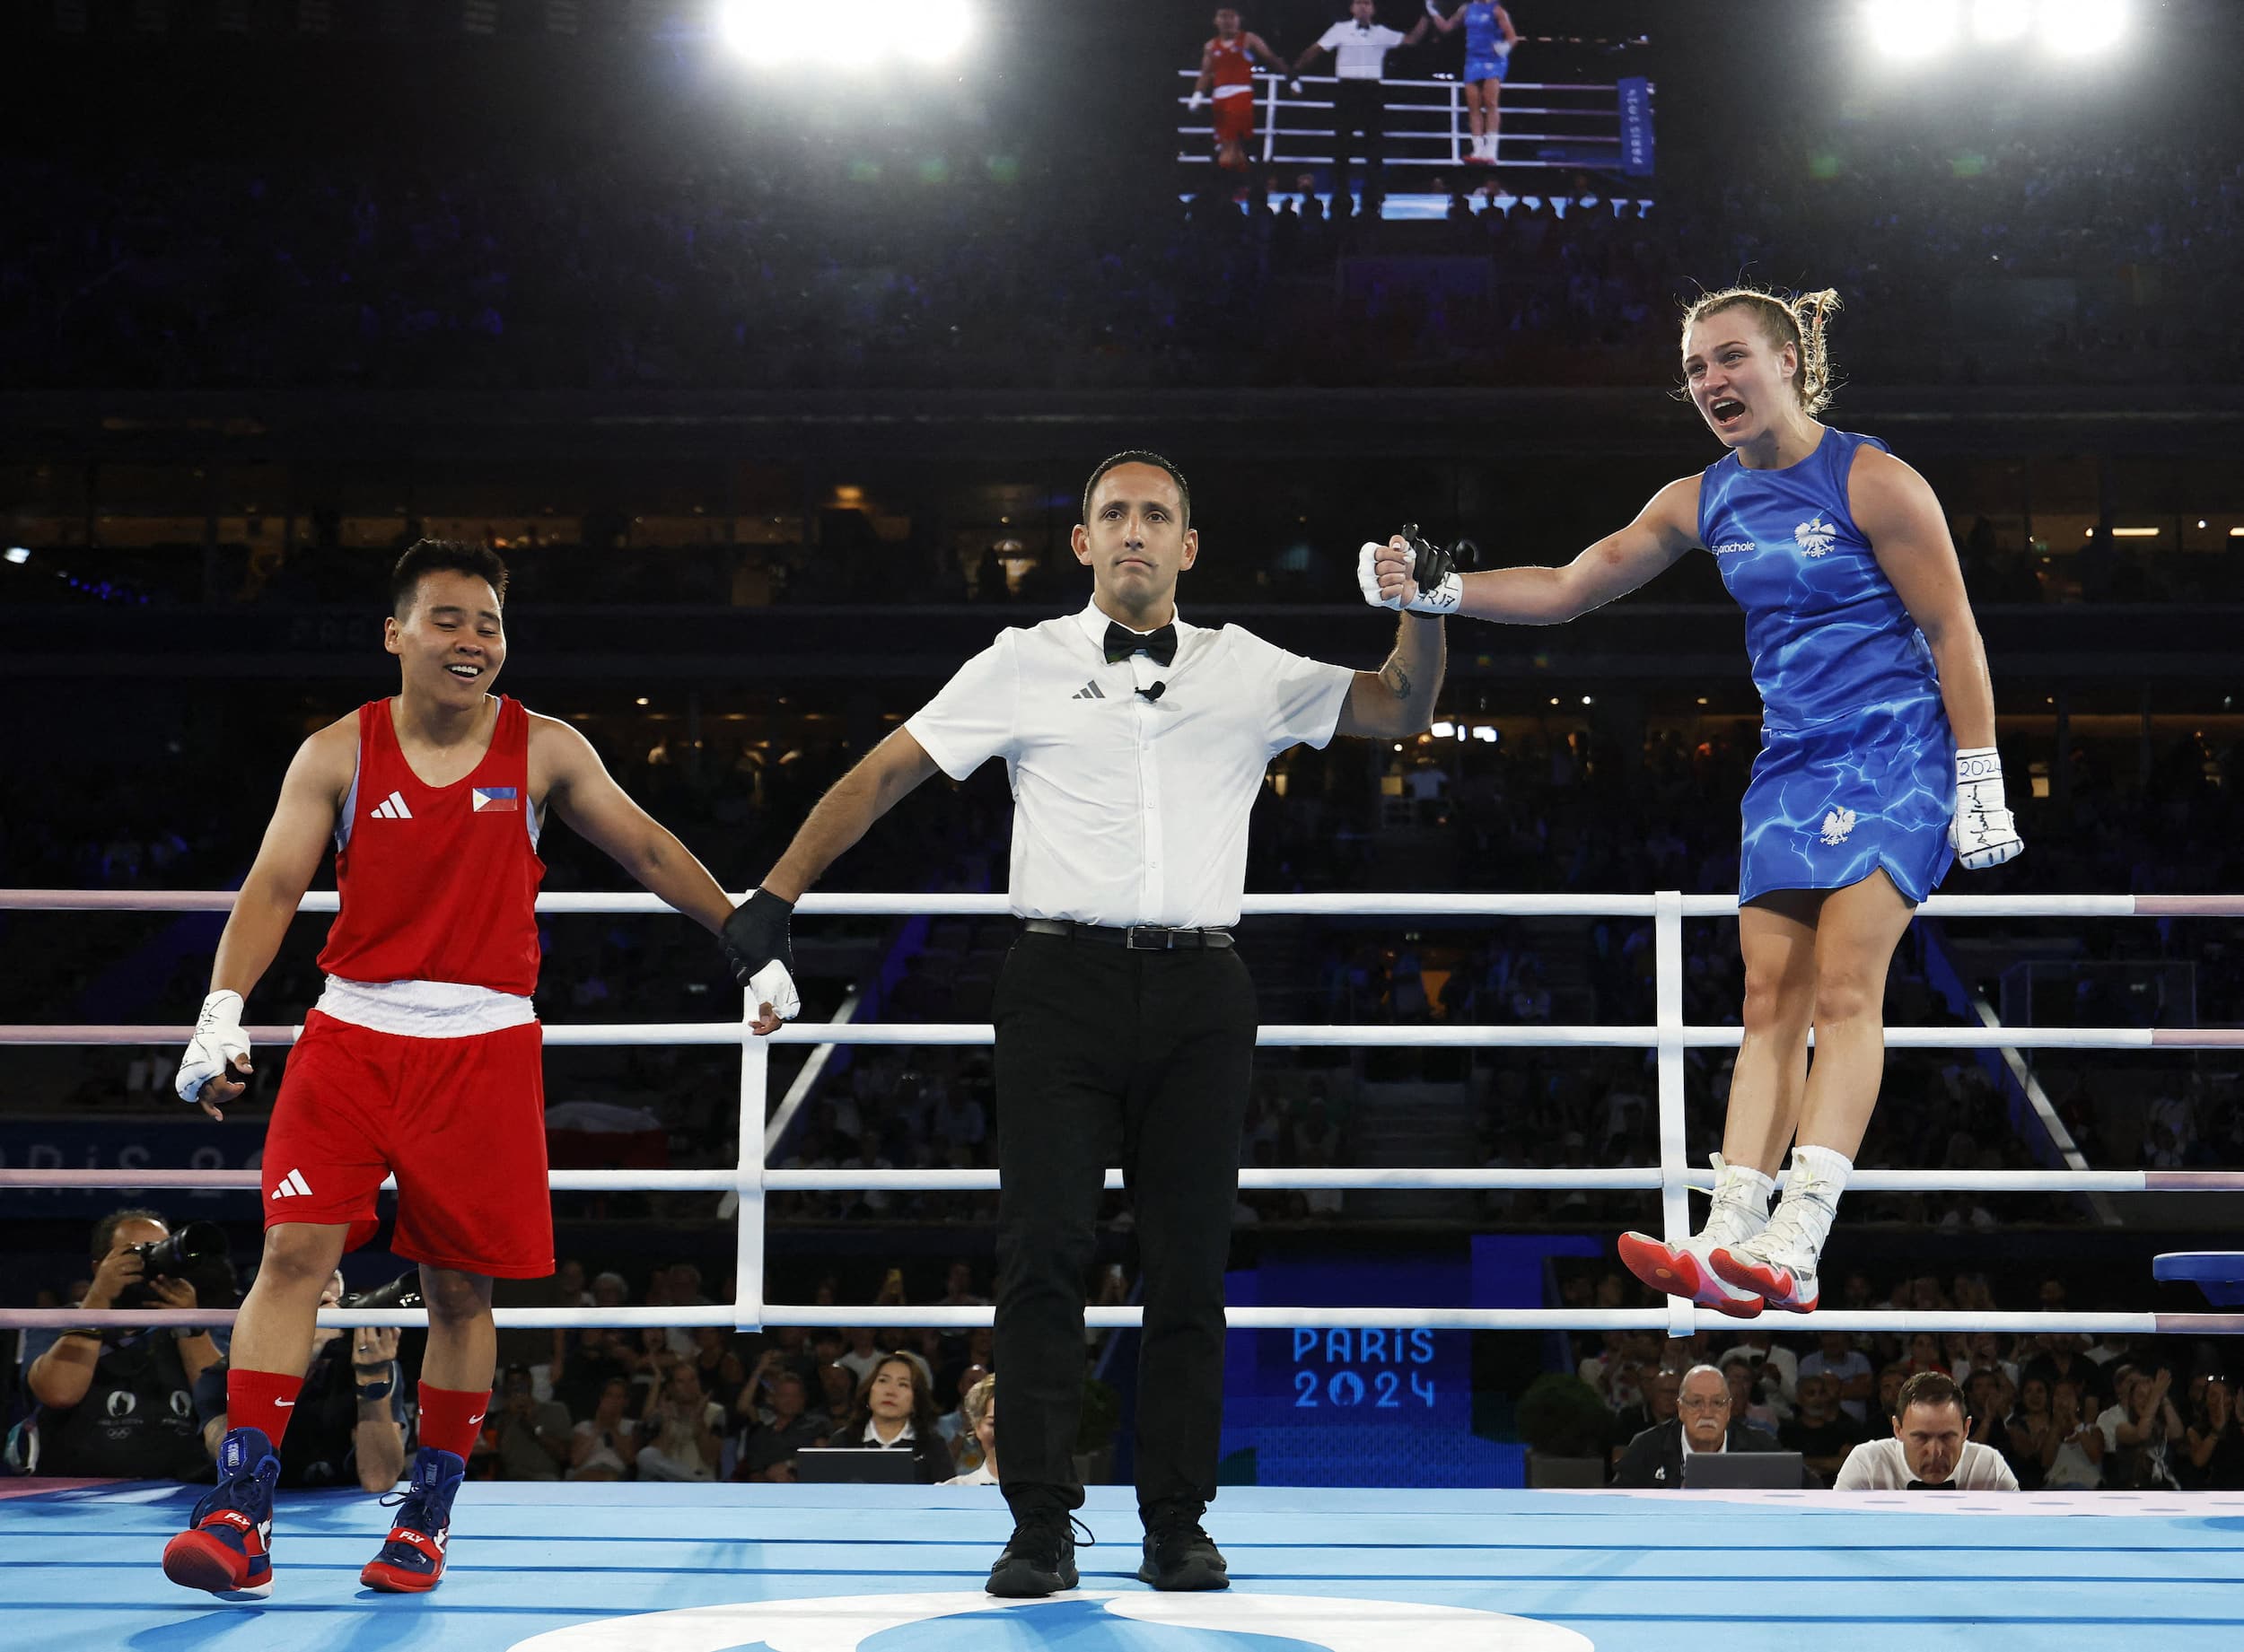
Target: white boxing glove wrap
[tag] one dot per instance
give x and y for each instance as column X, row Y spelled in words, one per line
column 218, row 1044
column 1983, row 831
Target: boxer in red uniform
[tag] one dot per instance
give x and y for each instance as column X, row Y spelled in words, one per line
column 421, row 1058
column 1227, row 66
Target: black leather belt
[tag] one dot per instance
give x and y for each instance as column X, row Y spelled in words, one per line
column 1137, row 937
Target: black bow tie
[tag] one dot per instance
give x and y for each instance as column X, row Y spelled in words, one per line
column 1122, row 643
column 1926, row 1485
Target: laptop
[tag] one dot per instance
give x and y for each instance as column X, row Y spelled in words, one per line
column 860, row 1466
column 1742, row 1471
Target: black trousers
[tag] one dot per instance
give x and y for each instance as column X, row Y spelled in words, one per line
column 1142, row 1060
column 1360, row 106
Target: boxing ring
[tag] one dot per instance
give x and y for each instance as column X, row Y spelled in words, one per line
column 643, row 1567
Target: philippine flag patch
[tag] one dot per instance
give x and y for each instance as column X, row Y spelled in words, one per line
column 496, row 800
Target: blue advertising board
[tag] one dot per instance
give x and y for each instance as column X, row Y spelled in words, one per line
column 1637, row 150
column 128, row 1144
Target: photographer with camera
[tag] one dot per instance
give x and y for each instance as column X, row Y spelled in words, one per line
column 350, row 1415
column 120, row 1402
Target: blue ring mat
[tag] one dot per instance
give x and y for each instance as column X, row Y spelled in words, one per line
column 1388, row 1569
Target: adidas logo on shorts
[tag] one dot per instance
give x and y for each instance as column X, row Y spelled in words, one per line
column 292, row 1186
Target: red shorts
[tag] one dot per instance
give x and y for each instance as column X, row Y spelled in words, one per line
column 1235, row 120
column 460, row 1122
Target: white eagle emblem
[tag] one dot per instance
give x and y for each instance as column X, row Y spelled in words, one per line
column 1836, row 824
column 1815, row 537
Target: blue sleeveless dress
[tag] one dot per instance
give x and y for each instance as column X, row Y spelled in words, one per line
column 1857, row 767
column 1485, row 58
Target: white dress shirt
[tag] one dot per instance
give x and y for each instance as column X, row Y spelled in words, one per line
column 1128, row 810
column 1881, row 1465
column 1361, row 48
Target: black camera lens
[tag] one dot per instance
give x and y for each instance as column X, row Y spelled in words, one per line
column 167, row 1258
column 403, row 1291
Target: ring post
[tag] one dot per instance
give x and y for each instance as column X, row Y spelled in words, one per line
column 1675, row 1201
column 748, row 1246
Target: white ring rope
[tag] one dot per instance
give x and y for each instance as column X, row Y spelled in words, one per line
column 1626, row 1179
column 816, row 1314
column 1253, row 906
column 753, row 1182
column 1279, row 1035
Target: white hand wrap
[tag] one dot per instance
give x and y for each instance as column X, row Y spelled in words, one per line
column 773, row 986
column 1443, row 598
column 1983, row 832
column 1367, row 576
column 218, row 1041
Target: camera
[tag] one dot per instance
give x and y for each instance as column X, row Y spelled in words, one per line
column 173, row 1257
column 403, row 1291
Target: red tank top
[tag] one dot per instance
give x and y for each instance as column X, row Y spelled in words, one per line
column 438, row 883
column 1230, row 66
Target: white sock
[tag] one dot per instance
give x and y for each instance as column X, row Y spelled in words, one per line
column 1811, row 1195
column 1751, row 1186
column 1480, row 145
column 1740, row 1207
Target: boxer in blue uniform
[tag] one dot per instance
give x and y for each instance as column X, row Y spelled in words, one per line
column 1489, row 38
column 1878, row 764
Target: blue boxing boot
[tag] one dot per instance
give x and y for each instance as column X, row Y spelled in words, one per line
column 227, row 1548
column 412, row 1559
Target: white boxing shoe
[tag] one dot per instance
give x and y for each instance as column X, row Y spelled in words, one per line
column 1774, row 1266
column 1778, row 1264
column 1687, row 1269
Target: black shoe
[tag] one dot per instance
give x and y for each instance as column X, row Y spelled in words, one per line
column 1041, row 1557
column 1180, row 1555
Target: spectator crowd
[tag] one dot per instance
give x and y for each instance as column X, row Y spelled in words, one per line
column 2063, row 1412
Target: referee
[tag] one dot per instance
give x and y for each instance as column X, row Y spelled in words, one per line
column 1126, row 1022
column 1360, row 46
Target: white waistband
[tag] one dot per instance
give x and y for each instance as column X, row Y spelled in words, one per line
column 425, row 1008
column 1233, row 90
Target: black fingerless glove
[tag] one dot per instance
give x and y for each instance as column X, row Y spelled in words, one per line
column 757, row 933
column 1430, row 565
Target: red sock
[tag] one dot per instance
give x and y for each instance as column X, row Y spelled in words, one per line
column 261, row 1400
column 450, row 1419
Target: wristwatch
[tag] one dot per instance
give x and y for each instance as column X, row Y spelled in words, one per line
column 384, row 1381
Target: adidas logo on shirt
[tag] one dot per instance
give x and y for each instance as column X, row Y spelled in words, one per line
column 392, row 808
column 293, row 1185
column 1089, row 691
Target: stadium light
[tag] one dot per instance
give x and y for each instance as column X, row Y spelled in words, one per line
column 935, row 31
column 2076, row 28
column 774, row 33
column 2001, row 23
column 1913, row 30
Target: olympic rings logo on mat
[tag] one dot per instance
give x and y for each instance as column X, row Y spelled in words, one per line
column 844, row 1624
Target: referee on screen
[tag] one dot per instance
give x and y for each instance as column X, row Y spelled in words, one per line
column 1126, row 1022
column 1359, row 105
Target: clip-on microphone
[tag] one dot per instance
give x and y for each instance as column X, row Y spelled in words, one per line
column 1154, row 693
